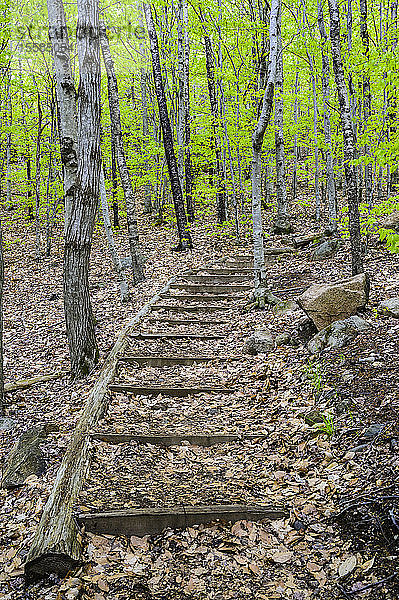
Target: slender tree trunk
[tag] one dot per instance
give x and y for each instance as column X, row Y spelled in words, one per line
column 325, row 79
column 8, row 144
column 114, row 177
column 348, row 138
column 185, row 241
column 261, row 290
column 364, row 34
column 295, row 167
column 187, row 130
column 1, row 322
column 38, row 178
column 79, row 227
column 282, row 223
column 114, row 109
column 181, row 109
column 210, row 74
column 123, row 285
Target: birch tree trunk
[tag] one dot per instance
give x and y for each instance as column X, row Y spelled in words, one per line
column 181, row 109
column 66, row 100
column 79, row 228
column 364, row 34
column 38, row 177
column 185, row 241
column 261, row 293
column 1, row 322
column 282, row 223
column 348, row 139
column 114, row 109
column 123, row 285
column 188, row 172
column 325, row 79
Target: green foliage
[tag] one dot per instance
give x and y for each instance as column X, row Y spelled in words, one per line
column 327, row 426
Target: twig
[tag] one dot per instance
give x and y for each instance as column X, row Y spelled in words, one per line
column 366, row 587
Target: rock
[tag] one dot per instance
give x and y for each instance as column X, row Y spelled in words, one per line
column 338, row 334
column 283, row 339
column 282, row 225
column 324, row 303
column 326, row 249
column 260, row 342
column 389, row 307
column 305, row 240
column 374, row 430
column 305, row 330
column 7, row 424
column 126, row 262
column 392, row 221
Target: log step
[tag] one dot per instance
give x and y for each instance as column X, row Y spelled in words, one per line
column 175, row 336
column 242, row 264
column 164, row 361
column 173, row 440
column 218, row 278
column 211, row 289
column 177, row 392
column 203, row 297
column 225, row 271
column 149, row 521
column 187, row 321
column 198, row 308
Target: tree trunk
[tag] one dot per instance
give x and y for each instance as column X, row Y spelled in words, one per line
column 123, row 285
column 1, row 322
column 257, row 141
column 282, row 222
column 187, row 130
column 325, row 78
column 66, row 99
column 210, row 74
column 114, row 177
column 114, row 109
column 185, row 241
column 364, row 34
column 348, row 138
column 79, row 228
column 38, row 178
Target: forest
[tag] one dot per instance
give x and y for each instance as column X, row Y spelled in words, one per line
column 199, row 294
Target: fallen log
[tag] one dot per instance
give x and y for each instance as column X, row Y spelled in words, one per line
column 144, row 521
column 56, row 546
column 26, row 383
column 25, row 458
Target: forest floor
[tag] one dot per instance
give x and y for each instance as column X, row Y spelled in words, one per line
column 342, row 535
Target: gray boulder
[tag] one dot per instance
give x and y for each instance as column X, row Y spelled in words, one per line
column 260, row 342
column 338, row 334
column 324, row 303
column 282, row 225
column 389, row 307
column 326, row 249
column 392, row 221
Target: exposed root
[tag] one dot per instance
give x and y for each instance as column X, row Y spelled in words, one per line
column 260, row 298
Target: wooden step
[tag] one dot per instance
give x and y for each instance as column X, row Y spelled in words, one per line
column 144, row 521
column 198, row 308
column 203, row 297
column 240, row 265
column 175, row 336
column 175, row 391
column 187, row 321
column 219, row 278
column 164, row 361
column 228, row 271
column 211, row 289
column 174, row 440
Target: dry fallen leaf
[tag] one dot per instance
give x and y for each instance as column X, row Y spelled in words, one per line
column 282, row 557
column 347, row 566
